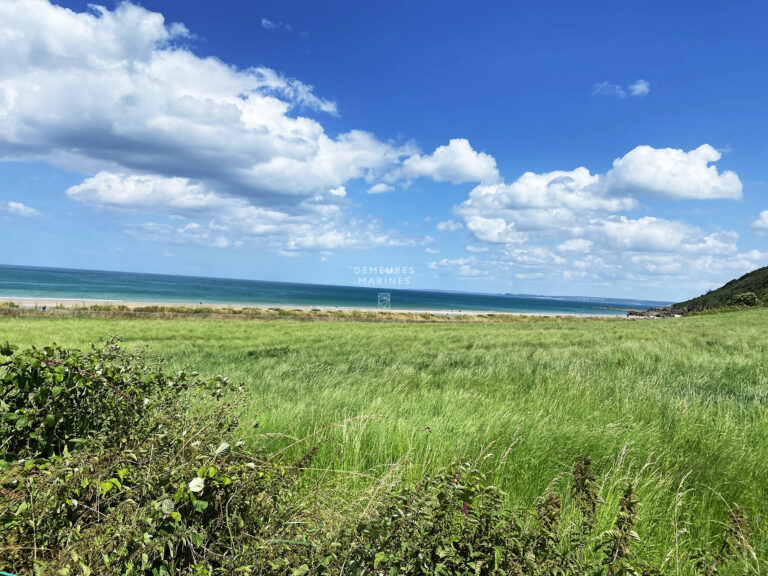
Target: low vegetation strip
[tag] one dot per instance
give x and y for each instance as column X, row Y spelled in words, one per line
column 113, row 311
column 110, row 464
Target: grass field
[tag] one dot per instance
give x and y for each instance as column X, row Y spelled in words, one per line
column 649, row 400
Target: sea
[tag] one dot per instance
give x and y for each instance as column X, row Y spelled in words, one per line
column 70, row 284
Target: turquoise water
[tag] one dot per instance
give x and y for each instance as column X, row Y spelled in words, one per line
column 34, row 282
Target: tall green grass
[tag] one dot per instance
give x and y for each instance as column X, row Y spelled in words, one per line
column 652, row 400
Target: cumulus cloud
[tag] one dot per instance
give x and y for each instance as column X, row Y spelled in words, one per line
column 133, row 192
column 112, row 89
column 575, row 189
column 565, row 202
column 456, row 163
column 673, row 174
column 552, row 201
column 576, row 226
column 760, row 226
column 495, row 230
column 119, row 95
column 18, row 209
column 645, row 234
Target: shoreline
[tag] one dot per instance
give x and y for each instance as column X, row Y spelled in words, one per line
column 31, row 303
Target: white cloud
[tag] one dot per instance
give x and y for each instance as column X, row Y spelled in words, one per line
column 575, row 245
column 191, row 233
column 495, row 230
column 111, row 90
column 18, row 209
column 663, row 274
column 673, row 174
column 473, row 248
column 555, row 200
column 132, row 192
column 573, row 190
column 464, row 267
column 639, row 88
column 760, row 226
column 380, row 188
column 533, row 256
column 622, row 235
column 268, row 24
column 608, row 89
column 455, row 163
column 645, row 234
column 574, row 225
column 449, row 226
column 293, row 90
column 114, row 94
column 214, row 219
column 564, row 202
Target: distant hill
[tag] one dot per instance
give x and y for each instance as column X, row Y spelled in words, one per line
column 755, row 282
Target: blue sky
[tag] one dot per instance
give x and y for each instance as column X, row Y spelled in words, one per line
column 595, row 148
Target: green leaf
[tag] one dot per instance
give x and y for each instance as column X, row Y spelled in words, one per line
column 167, row 506
column 200, row 505
column 197, row 539
column 223, row 450
column 303, row 569
column 7, row 349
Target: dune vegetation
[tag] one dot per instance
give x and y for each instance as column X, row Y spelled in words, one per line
column 676, row 408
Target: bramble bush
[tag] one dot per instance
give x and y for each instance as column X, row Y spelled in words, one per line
column 110, row 465
column 745, row 299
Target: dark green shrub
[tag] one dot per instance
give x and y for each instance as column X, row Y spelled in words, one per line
column 126, row 479
column 452, row 523
column 745, row 299
column 52, row 399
